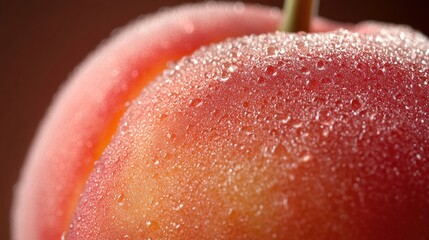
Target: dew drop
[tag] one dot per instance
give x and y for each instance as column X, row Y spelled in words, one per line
column 178, row 207
column 319, row 100
column 320, row 64
column 271, row 71
column 305, row 70
column 311, row 82
column 261, row 80
column 232, row 215
column 246, row 130
column 301, row 45
column 124, row 128
column 120, row 199
column 189, row 128
column 355, row 104
column 171, row 136
column 225, row 77
column 358, row 66
column 196, row 102
column 271, row 51
column 163, row 116
column 296, row 123
column 152, row 225
column 232, row 68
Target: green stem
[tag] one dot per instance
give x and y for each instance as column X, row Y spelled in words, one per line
column 297, row 15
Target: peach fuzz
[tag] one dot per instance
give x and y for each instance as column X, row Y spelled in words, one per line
column 202, row 152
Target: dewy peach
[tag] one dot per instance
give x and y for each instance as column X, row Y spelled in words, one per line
column 203, row 122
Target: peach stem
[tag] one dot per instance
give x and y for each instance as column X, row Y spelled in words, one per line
column 297, row 15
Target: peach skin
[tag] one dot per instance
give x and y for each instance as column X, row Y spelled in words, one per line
column 186, row 126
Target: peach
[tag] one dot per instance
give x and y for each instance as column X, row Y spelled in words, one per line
column 287, row 136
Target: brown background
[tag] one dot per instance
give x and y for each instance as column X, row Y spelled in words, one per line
column 41, row 42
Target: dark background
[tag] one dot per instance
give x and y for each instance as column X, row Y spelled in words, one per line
column 41, row 42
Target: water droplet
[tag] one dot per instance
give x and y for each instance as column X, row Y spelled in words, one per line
column 225, row 77
column 171, row 136
column 271, row 51
column 124, row 128
column 355, row 104
column 398, row 96
column 152, row 225
column 320, row 64
column 196, row 102
column 163, row 116
column 155, row 175
column 246, row 130
column 232, row 214
column 319, row 100
column 232, row 68
column 311, row 82
column 358, row 66
column 120, row 199
column 305, row 70
column 178, row 207
column 300, row 44
column 270, row 70
column 261, row 80
column 296, row 123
